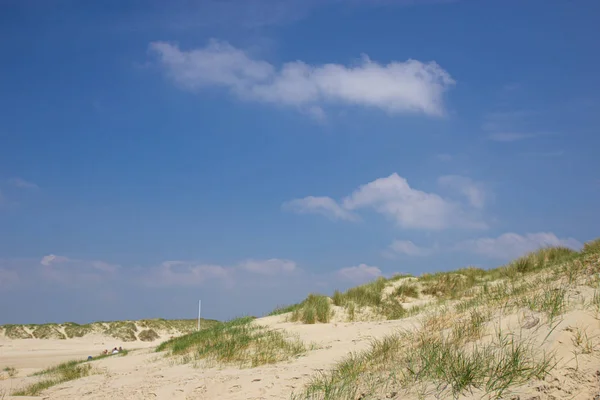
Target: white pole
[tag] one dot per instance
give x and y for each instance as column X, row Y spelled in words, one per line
column 199, row 308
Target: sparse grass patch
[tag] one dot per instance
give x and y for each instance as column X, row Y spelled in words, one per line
column 595, row 303
column 551, row 302
column 471, row 327
column 11, row 372
column 68, row 365
column 235, row 342
column 410, row 360
column 582, row 341
column 62, row 373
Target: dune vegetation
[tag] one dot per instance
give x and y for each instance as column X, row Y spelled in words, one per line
column 462, row 343
column 238, row 342
column 64, row 372
column 495, row 333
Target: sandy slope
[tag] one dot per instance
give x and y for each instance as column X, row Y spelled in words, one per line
column 144, row 374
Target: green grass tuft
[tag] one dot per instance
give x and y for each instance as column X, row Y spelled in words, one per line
column 407, row 290
column 285, row 309
column 61, row 373
column 315, row 308
column 237, row 342
column 593, row 246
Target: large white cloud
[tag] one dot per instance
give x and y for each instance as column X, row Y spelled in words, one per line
column 393, row 197
column 512, row 245
column 399, row 86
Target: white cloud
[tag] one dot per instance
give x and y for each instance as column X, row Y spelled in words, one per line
column 511, row 136
column 23, row 184
column 406, row 247
column 53, row 259
column 70, row 271
column 410, row 208
column 320, row 205
column 397, row 87
column 511, row 126
column 473, row 191
column 360, row 273
column 273, row 266
column 393, row 197
column 513, row 245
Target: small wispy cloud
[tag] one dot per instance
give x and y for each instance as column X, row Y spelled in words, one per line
column 322, row 205
column 511, row 126
column 23, row 184
column 407, row 248
column 444, row 157
column 360, row 273
column 549, row 154
column 513, row 136
column 408, row 86
column 473, row 191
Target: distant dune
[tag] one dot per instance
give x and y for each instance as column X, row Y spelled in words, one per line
column 146, row 330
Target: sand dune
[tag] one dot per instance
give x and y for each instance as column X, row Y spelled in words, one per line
column 554, row 308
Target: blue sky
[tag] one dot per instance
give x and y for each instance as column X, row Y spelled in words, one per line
column 250, row 152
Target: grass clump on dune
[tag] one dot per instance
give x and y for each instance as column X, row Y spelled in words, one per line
column 237, row 342
column 593, row 246
column 285, row 309
column 407, row 290
column 315, row 308
column 370, row 295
